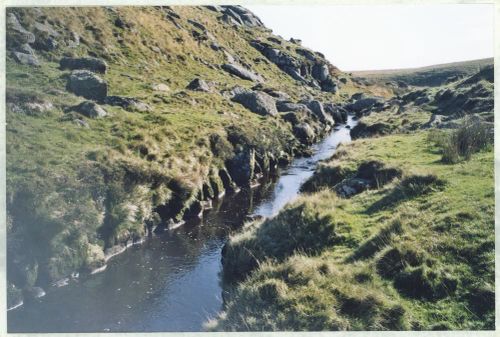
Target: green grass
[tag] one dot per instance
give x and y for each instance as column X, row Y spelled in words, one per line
column 91, row 188
column 417, row 253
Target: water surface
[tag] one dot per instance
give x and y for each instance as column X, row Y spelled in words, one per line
column 172, row 281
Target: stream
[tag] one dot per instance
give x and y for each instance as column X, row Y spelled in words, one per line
column 172, row 281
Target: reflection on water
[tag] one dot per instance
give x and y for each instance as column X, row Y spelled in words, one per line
column 172, row 281
column 299, row 171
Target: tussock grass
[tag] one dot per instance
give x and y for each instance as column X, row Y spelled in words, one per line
column 471, row 137
column 301, row 228
column 425, row 260
column 299, row 294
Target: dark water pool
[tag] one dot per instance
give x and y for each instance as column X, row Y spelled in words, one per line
column 172, row 281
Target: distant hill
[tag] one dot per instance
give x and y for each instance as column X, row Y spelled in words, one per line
column 434, row 75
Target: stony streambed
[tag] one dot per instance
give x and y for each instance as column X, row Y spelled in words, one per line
column 172, row 281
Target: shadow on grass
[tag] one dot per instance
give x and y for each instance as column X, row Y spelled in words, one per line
column 410, row 187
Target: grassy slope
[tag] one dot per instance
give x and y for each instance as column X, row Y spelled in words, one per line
column 426, row 76
column 443, row 236
column 73, row 191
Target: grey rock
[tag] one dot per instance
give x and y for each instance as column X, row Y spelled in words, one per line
column 346, row 190
column 227, row 181
column 311, row 56
column 160, row 87
column 197, row 25
column 217, row 9
column 274, row 40
column 279, row 95
column 242, row 16
column 230, row 20
column 304, row 133
column 317, row 108
column 75, row 40
column 45, row 36
column 241, row 166
column 230, row 58
column 16, row 33
column 365, row 103
column 35, row 108
column 295, row 74
column 329, row 85
column 241, row 72
column 435, row 121
column 90, row 109
column 358, row 95
column 363, row 130
column 51, row 43
column 26, row 49
column 45, row 29
column 128, row 103
column 89, row 63
column 38, row 107
column 338, row 113
column 251, row 20
column 215, row 46
column 141, row 106
column 120, row 23
column 28, row 59
column 255, row 101
column 414, row 95
column 423, row 100
column 199, row 85
column 350, row 187
column 81, row 123
column 291, row 117
column 233, row 15
column 276, row 56
column 320, row 72
column 87, row 84
column 316, row 75
column 45, row 43
column 283, row 106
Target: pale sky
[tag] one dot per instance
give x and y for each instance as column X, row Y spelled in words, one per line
column 362, row 37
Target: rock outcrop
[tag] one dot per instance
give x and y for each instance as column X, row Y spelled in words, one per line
column 284, row 106
column 90, row 109
column 241, row 166
column 311, row 69
column 28, row 59
column 241, row 72
column 364, row 102
column 304, row 133
column 338, row 112
column 238, row 16
column 128, row 103
column 317, row 108
column 88, row 63
column 16, row 33
column 87, row 84
column 199, row 85
column 255, row 101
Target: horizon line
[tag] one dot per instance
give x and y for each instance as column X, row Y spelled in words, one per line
column 417, row 67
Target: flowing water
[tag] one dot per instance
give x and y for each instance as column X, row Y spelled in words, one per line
column 172, row 281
